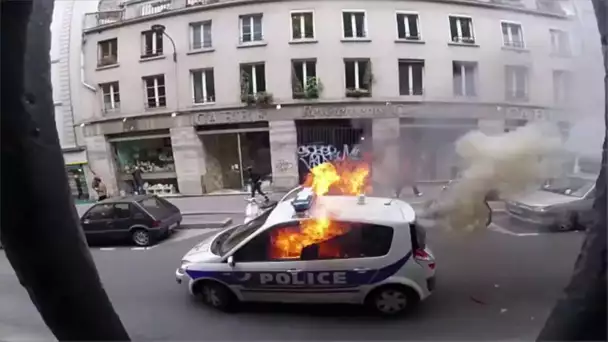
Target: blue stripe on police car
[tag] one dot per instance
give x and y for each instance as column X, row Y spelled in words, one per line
column 304, row 279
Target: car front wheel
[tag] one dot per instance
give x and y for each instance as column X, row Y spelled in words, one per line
column 392, row 300
column 141, row 237
column 216, row 295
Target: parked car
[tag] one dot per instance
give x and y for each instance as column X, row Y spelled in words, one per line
column 142, row 220
column 382, row 260
column 561, row 204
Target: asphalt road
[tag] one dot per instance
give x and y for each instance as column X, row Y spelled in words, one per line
column 492, row 285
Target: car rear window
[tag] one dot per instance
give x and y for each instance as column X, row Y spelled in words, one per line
column 155, row 207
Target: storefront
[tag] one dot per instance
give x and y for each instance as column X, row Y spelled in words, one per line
column 427, row 146
column 229, row 149
column 78, row 173
column 153, row 155
column 324, row 140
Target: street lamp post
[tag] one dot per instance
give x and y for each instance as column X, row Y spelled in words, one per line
column 161, row 29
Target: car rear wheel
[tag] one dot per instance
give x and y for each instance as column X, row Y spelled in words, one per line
column 392, row 300
column 216, row 295
column 141, row 237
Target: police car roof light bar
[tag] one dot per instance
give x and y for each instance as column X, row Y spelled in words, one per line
column 303, row 200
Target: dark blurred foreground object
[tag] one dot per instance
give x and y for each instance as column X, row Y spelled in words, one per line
column 40, row 227
column 581, row 314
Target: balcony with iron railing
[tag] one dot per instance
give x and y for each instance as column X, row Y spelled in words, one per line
column 133, row 9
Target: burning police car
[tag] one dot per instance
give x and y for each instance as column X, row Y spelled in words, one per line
column 317, row 249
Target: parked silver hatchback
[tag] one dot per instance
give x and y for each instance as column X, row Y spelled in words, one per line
column 561, row 204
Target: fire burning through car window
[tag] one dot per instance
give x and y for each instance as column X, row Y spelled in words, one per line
column 347, row 177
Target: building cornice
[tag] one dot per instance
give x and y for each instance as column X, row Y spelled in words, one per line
column 235, row 3
column 325, row 110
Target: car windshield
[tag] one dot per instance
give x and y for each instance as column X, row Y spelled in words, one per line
column 569, row 186
column 242, row 232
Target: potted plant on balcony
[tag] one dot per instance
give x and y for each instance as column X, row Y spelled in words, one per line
column 263, row 98
column 357, row 93
column 313, row 87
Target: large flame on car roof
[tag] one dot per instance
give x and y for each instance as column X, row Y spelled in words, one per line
column 344, row 177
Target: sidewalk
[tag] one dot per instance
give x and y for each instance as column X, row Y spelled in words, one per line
column 234, row 204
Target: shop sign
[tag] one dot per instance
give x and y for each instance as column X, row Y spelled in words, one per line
column 229, row 116
column 530, row 114
column 315, row 112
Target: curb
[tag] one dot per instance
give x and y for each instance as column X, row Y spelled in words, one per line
column 499, row 208
column 206, row 224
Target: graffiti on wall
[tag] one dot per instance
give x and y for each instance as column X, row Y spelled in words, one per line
column 312, row 155
column 283, row 166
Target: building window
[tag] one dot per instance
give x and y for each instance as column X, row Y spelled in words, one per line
column 560, row 42
column 408, row 26
column 354, row 24
column 200, row 34
column 516, row 82
column 203, row 87
column 152, row 43
column 461, row 30
column 251, row 28
column 304, row 83
column 111, row 96
column 302, row 25
column 512, row 35
column 464, row 78
column 253, row 79
column 156, row 96
column 561, row 86
column 410, row 77
column 107, row 52
column 358, row 75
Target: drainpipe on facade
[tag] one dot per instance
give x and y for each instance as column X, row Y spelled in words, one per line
column 82, row 78
column 91, row 88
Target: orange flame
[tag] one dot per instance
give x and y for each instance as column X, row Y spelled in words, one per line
column 336, row 178
column 339, row 178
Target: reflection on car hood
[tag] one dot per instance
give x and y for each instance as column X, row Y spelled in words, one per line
column 202, row 250
column 543, row 199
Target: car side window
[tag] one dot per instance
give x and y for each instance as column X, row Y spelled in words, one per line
column 356, row 240
column 295, row 241
column 100, row 212
column 122, row 210
column 255, row 250
column 137, row 213
column 262, row 247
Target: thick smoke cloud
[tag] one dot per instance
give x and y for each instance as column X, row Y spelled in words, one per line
column 505, row 165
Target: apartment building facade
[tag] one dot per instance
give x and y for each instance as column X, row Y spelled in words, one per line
column 65, row 56
column 194, row 91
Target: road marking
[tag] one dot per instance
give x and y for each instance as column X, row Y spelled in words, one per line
column 107, row 248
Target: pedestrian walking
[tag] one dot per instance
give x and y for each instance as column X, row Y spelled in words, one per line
column 405, row 179
column 138, row 181
column 256, row 183
column 100, row 188
column 78, row 183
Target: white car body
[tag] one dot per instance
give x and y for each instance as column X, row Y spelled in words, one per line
column 345, row 280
